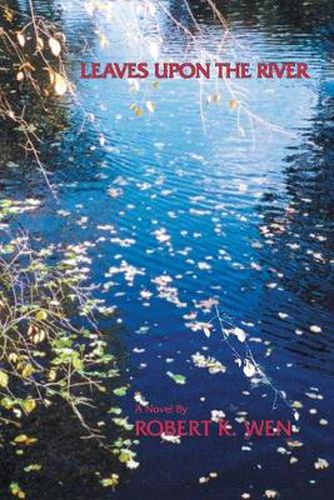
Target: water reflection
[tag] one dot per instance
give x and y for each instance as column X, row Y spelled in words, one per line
column 190, row 205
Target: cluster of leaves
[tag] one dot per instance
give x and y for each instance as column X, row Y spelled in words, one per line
column 35, row 326
column 32, row 49
column 50, row 347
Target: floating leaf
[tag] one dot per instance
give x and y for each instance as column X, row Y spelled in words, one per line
column 321, row 463
column 294, row 444
column 207, row 332
column 296, row 415
column 150, row 106
column 315, row 329
column 170, row 439
column 240, row 334
column 249, row 369
column 21, row 438
column 24, row 439
column 216, row 98
column 138, row 111
column 233, row 103
column 16, row 491
column 115, row 410
column 120, row 391
column 271, row 494
column 178, row 379
column 111, row 481
column 33, row 468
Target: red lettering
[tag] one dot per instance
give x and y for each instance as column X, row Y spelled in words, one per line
column 83, row 71
column 140, row 429
column 254, row 428
column 95, row 69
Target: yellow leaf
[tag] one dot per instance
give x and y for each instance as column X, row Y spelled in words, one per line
column 39, row 43
column 3, row 379
column 233, row 103
column 60, row 84
column 52, row 375
column 8, row 15
column 138, row 111
column 16, row 491
column 21, row 438
column 294, row 444
column 54, row 46
column 24, row 439
column 41, row 315
column 29, row 405
column 27, row 370
column 31, row 441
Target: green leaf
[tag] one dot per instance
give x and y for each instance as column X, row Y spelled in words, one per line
column 115, row 410
column 77, row 363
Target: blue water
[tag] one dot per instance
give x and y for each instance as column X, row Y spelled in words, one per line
column 202, row 202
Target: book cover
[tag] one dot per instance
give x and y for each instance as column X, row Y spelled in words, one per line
column 166, row 230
